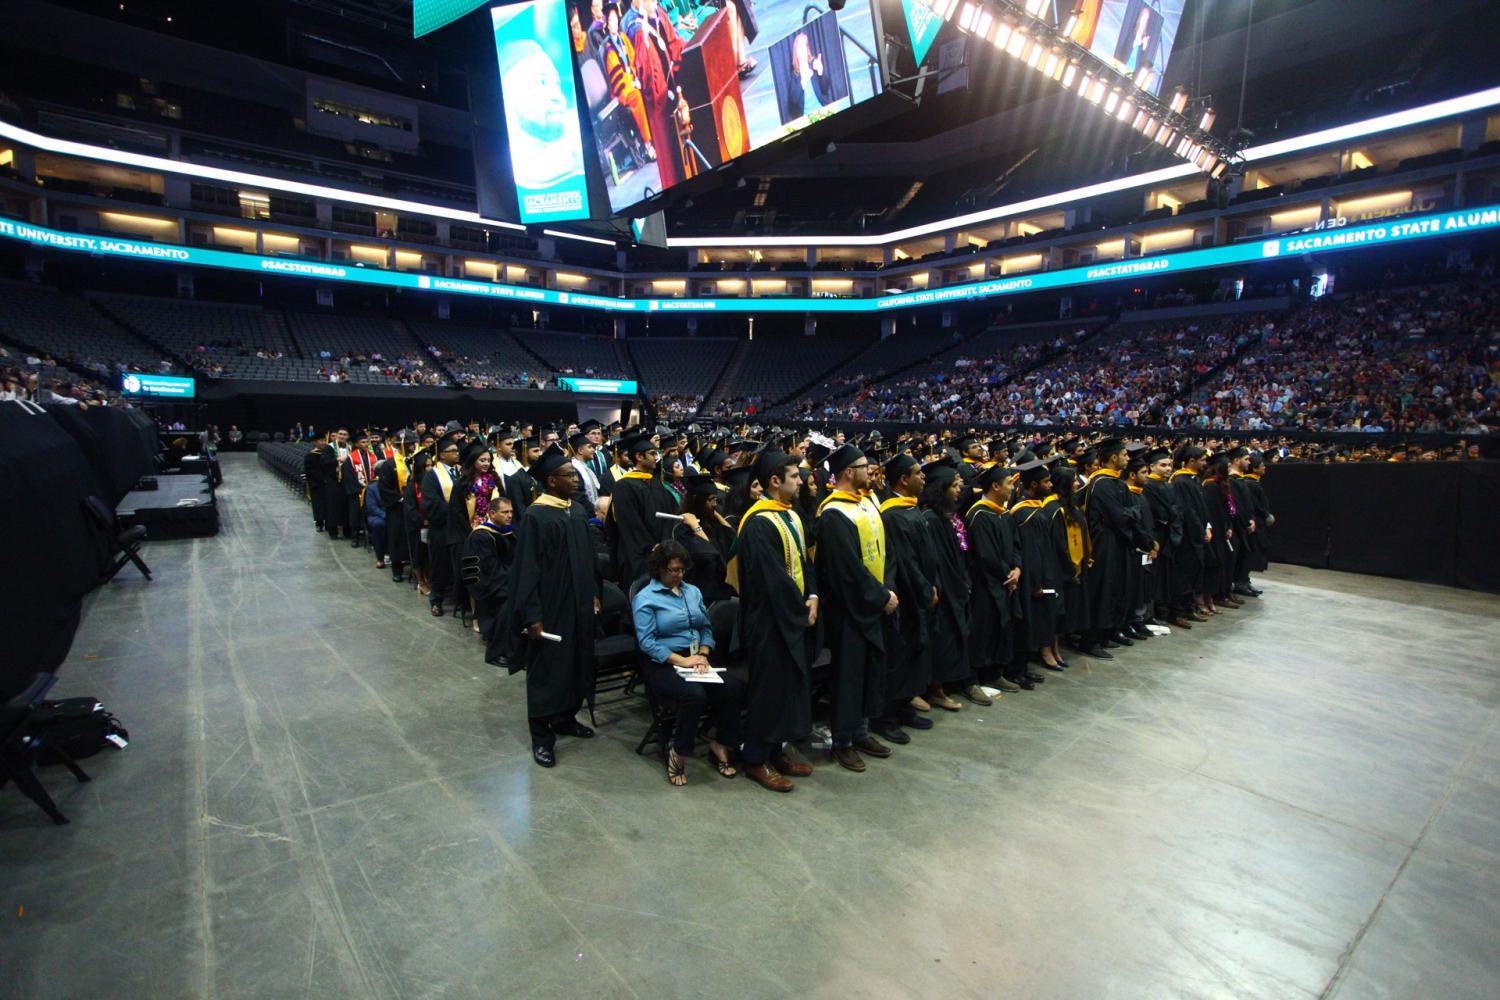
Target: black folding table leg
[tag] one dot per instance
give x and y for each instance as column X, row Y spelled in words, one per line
column 145, row 570
column 27, row 782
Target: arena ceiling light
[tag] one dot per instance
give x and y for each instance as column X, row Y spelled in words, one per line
column 1021, row 30
column 1153, row 129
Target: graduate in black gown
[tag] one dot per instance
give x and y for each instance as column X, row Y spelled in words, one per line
column 1045, row 567
column 329, row 462
column 1224, row 514
column 485, row 564
column 1076, row 619
column 1144, row 548
column 707, row 537
column 632, row 526
column 1260, row 510
column 951, row 669
column 1167, row 528
column 443, row 538
column 778, row 589
column 391, row 477
column 857, row 599
column 1197, row 531
column 312, row 474
column 1112, row 537
column 1248, row 554
column 995, row 575
column 911, row 565
column 554, row 590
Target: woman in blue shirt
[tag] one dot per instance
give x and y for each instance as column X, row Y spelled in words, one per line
column 672, row 629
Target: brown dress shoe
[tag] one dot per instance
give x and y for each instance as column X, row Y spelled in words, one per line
column 946, row 703
column 848, row 758
column 920, row 704
column 766, row 777
column 871, row 746
column 1179, row 623
column 791, row 768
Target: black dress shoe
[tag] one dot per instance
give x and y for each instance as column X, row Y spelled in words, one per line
column 572, row 728
column 1122, row 639
column 1063, row 663
column 544, row 756
column 916, row 722
column 1140, row 632
column 891, row 732
column 1059, row 668
column 1100, row 653
column 1036, row 678
column 1024, row 683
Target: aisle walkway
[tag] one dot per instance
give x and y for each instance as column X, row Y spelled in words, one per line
column 328, row 794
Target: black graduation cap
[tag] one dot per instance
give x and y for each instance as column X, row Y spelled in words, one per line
column 1110, row 446
column 817, row 454
column 1034, row 471
column 669, row 440
column 578, row 440
column 638, row 444
column 1236, row 453
column 995, row 474
column 1026, row 455
column 1136, row 447
column 738, row 445
column 452, row 426
column 590, row 425
column 455, row 438
column 701, row 486
column 966, row 442
column 899, row 466
column 843, row 458
column 1156, row 455
column 711, row 459
column 767, row 464
column 1068, row 445
column 1136, row 462
column 740, row 478
column 405, row 436
column 940, row 471
column 550, row 461
column 360, row 436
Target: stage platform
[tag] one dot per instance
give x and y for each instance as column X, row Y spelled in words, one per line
column 182, row 506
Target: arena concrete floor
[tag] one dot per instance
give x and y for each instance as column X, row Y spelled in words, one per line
column 329, row 794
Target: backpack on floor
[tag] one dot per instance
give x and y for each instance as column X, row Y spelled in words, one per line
column 77, row 727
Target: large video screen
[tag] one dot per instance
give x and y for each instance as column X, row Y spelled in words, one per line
column 541, row 110
column 674, row 89
column 1130, row 34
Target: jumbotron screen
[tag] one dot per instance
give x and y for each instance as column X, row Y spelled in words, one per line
column 1129, row 34
column 675, row 89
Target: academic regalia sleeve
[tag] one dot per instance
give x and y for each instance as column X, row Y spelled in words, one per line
column 1107, row 504
column 434, row 507
column 850, row 583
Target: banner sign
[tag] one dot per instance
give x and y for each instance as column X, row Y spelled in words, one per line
column 922, row 24
column 616, row 387
column 1384, row 233
column 174, row 386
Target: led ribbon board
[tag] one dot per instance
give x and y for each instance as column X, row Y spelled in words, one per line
column 611, row 386
column 170, row 386
column 1377, row 234
column 542, row 133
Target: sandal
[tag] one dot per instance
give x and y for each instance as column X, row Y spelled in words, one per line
column 723, row 765
column 676, row 768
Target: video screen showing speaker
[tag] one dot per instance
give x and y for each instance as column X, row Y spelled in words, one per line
column 1133, row 36
column 542, row 130
column 674, row 89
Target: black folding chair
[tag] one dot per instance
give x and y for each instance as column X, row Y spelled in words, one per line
column 615, row 664
column 20, row 747
column 124, row 545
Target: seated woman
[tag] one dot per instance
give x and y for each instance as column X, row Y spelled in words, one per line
column 672, row 629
